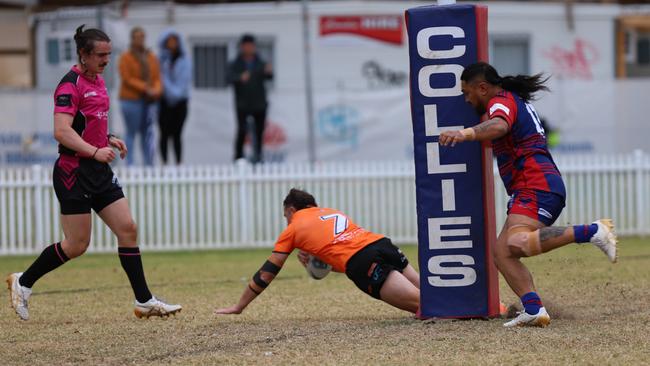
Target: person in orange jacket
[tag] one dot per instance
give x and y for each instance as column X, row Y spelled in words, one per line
column 139, row 92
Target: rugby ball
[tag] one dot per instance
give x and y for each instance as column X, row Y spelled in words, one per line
column 317, row 269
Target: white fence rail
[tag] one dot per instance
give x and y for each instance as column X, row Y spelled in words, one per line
column 241, row 206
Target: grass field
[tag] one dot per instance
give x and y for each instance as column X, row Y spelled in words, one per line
column 82, row 314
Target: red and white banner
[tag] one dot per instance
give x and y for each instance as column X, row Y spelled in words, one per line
column 382, row 28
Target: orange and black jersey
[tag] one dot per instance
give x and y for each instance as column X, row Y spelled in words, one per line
column 325, row 233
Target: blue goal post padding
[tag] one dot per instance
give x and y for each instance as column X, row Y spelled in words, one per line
column 454, row 185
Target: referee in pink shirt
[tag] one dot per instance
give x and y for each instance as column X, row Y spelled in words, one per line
column 83, row 179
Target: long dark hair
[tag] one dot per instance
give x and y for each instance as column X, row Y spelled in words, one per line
column 523, row 85
column 85, row 39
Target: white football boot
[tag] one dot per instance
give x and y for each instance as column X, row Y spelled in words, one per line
column 541, row 319
column 155, row 307
column 605, row 239
column 18, row 295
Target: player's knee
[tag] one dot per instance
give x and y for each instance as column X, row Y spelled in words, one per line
column 516, row 244
column 128, row 232
column 500, row 252
column 412, row 300
column 75, row 247
column 524, row 244
column 415, row 299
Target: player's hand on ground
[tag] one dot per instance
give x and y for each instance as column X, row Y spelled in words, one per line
column 105, row 155
column 229, row 310
column 448, row 138
column 120, row 145
column 303, row 257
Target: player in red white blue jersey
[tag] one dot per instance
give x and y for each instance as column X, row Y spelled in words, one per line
column 531, row 178
column 83, row 180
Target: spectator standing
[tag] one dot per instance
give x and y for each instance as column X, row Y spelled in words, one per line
column 248, row 73
column 139, row 92
column 176, row 77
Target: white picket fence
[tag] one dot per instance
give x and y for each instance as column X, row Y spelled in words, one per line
column 198, row 207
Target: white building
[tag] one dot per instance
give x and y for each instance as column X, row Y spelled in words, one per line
column 359, row 72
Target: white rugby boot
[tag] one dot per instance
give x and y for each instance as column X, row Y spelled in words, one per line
column 541, row 319
column 18, row 295
column 155, row 307
column 605, row 239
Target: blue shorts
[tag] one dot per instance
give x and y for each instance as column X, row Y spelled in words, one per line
column 544, row 207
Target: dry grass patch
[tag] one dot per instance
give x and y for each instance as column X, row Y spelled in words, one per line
column 82, row 314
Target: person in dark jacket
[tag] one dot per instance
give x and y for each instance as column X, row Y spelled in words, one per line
column 248, row 73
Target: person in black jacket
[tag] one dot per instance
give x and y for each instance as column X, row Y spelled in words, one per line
column 248, row 73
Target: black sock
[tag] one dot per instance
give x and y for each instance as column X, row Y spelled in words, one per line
column 132, row 264
column 50, row 259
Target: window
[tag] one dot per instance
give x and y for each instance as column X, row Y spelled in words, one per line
column 510, row 54
column 265, row 50
column 637, row 56
column 643, row 51
column 628, row 45
column 67, row 49
column 52, row 46
column 211, row 58
column 59, row 50
column 210, row 66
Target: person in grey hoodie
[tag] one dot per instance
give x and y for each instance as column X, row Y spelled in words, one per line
column 176, row 70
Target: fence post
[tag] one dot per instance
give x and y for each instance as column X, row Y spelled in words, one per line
column 37, row 183
column 244, row 171
column 639, row 188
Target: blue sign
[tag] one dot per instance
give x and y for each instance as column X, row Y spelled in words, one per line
column 339, row 124
column 453, row 258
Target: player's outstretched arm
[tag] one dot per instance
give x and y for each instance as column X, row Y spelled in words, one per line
column 261, row 279
column 489, row 130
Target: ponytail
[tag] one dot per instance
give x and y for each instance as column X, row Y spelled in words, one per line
column 523, row 85
column 85, row 39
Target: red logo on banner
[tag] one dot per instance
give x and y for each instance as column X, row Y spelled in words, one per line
column 575, row 62
column 274, row 135
column 384, row 28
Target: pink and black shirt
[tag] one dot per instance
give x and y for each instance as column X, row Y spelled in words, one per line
column 87, row 101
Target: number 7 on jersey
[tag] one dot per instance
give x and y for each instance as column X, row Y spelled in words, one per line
column 340, row 222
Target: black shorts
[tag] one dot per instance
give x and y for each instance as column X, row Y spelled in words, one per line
column 369, row 267
column 84, row 186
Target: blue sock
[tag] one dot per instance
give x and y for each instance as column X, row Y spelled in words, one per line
column 531, row 303
column 583, row 233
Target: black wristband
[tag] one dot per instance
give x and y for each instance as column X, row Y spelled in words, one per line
column 95, row 153
column 271, row 267
column 257, row 279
